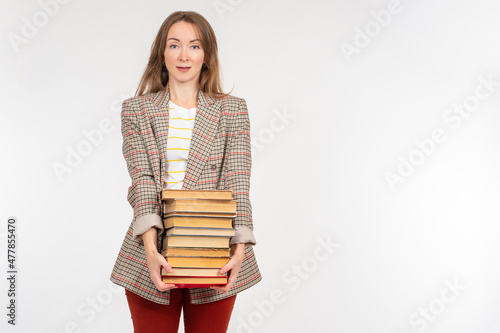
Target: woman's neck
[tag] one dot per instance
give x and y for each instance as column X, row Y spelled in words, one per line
column 185, row 95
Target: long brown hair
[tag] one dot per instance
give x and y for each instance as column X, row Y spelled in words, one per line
column 155, row 77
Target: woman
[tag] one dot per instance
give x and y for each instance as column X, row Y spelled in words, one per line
column 182, row 78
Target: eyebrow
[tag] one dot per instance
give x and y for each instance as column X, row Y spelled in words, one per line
column 194, row 40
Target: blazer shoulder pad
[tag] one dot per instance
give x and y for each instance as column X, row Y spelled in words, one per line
column 231, row 98
column 232, row 104
column 138, row 100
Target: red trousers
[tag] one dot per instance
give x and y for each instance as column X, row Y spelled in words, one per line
column 151, row 317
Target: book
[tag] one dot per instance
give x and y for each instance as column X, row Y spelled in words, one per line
column 198, row 262
column 170, row 251
column 200, row 214
column 194, row 282
column 196, row 241
column 198, row 227
column 189, row 271
column 196, row 194
column 200, row 231
column 199, row 205
column 203, row 221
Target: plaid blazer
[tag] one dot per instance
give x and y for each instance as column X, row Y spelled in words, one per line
column 219, row 158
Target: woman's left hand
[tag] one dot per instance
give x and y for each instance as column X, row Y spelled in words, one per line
column 233, row 265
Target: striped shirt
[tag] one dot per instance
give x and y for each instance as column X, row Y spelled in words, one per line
column 180, row 132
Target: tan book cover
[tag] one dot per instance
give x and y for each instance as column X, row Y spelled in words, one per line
column 184, row 271
column 197, row 221
column 230, row 232
column 200, row 214
column 197, row 262
column 195, row 252
column 199, row 205
column 167, row 194
column 196, row 241
column 192, row 282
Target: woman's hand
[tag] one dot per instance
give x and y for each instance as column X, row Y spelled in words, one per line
column 156, row 261
column 233, row 265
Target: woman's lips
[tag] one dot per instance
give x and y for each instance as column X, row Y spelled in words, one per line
column 183, row 69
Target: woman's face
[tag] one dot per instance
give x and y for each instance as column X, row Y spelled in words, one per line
column 183, row 53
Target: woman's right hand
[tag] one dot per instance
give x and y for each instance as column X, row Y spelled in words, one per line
column 156, row 261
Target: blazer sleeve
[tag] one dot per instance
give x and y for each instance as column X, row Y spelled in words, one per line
column 142, row 194
column 238, row 176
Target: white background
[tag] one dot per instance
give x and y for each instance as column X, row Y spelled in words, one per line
column 328, row 127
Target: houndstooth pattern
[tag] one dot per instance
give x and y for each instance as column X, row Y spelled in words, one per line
column 219, row 158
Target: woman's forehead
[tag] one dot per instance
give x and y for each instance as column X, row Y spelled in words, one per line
column 183, row 31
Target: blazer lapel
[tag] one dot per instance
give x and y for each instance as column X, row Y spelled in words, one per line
column 204, row 131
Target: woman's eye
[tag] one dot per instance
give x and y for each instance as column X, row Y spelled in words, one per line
column 173, row 45
column 196, row 46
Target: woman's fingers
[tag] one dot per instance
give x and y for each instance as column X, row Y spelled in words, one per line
column 227, row 267
column 155, row 263
column 168, row 268
column 165, row 264
column 162, row 286
column 230, row 281
column 233, row 266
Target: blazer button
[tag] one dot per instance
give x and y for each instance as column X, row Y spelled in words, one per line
column 214, row 166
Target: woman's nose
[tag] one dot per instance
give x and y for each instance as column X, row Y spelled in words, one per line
column 184, row 54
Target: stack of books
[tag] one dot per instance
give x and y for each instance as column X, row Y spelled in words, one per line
column 198, row 226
